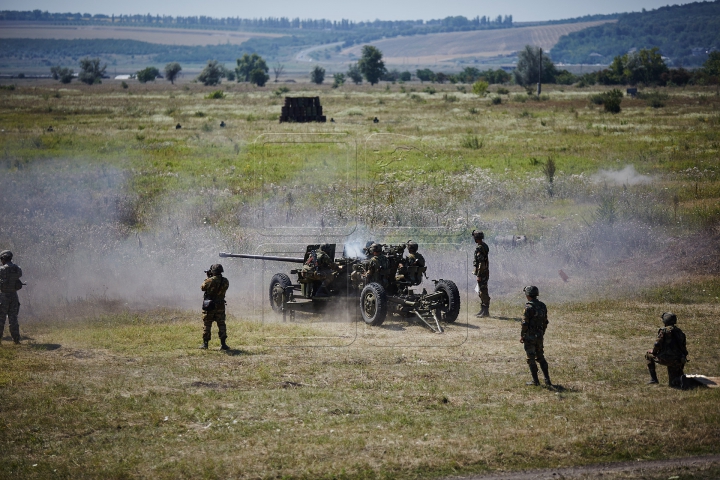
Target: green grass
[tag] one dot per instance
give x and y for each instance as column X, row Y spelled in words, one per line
column 129, row 395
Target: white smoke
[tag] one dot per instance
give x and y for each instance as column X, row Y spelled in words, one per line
column 627, row 176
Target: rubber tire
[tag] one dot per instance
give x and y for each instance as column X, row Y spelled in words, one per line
column 373, row 304
column 450, row 312
column 279, row 281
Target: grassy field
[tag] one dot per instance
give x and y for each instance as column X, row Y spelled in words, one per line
column 114, row 212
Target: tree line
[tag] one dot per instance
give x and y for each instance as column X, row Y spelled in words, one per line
column 645, row 67
column 684, row 33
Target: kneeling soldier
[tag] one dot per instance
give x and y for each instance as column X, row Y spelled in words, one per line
column 669, row 350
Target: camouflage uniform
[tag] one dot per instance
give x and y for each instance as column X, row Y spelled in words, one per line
column 669, row 350
column 9, row 303
column 414, row 259
column 215, row 288
column 319, row 267
column 377, row 269
column 532, row 332
column 482, row 272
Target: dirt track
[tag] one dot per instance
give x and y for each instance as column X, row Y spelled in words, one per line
column 699, row 467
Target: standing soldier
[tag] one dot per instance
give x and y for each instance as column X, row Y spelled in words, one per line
column 411, row 268
column 532, row 332
column 669, row 350
column 214, row 287
column 9, row 303
column 482, row 272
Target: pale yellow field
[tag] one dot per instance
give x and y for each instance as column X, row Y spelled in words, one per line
column 167, row 36
column 424, row 49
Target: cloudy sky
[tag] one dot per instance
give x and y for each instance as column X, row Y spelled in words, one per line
column 521, row 10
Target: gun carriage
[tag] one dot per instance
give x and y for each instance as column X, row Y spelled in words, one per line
column 395, row 293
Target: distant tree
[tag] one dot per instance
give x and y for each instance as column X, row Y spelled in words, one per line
column 425, row 75
column 172, row 70
column 278, row 69
column 338, row 80
column 148, row 74
column 259, row 77
column 712, row 64
column 371, row 64
column 405, row 76
column 247, row 64
column 440, row 77
column 528, row 67
column 64, row 74
column 212, row 74
column 469, row 75
column 90, row 70
column 317, row 75
column 645, row 66
column 354, row 74
column 229, row 73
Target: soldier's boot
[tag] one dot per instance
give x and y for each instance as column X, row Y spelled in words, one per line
column 534, row 372
column 204, row 345
column 483, row 311
column 653, row 374
column 544, row 367
column 15, row 334
column 223, row 345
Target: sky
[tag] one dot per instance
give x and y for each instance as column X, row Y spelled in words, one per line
column 521, row 10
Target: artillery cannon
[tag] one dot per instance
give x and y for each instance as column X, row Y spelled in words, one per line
column 392, row 294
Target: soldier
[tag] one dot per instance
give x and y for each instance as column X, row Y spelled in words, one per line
column 532, row 332
column 482, row 272
column 669, row 350
column 214, row 287
column 377, row 267
column 414, row 259
column 9, row 303
column 320, row 267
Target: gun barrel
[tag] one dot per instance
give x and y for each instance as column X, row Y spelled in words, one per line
column 262, row 257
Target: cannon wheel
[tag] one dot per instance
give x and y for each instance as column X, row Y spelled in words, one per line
column 451, row 303
column 373, row 304
column 278, row 284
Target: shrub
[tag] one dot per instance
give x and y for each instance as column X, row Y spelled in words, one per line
column 430, row 90
column 502, row 91
column 216, row 95
column 472, row 142
column 148, row 74
column 496, row 100
column 654, row 99
column 480, row 88
column 610, row 100
column 281, row 90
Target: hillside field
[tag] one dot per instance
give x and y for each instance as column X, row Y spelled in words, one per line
column 441, row 47
column 114, row 212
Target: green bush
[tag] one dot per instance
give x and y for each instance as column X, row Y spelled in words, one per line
column 216, row 95
column 654, row 99
column 480, row 88
column 472, row 142
column 503, row 91
column 610, row 100
column 496, row 100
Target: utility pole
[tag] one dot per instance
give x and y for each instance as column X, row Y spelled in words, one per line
column 539, row 89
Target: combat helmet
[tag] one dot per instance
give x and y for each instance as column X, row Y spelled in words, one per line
column 669, row 318
column 531, row 291
column 216, row 269
column 478, row 235
column 325, row 247
column 6, row 255
column 375, row 248
column 412, row 246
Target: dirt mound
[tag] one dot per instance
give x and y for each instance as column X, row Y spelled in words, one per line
column 698, row 254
